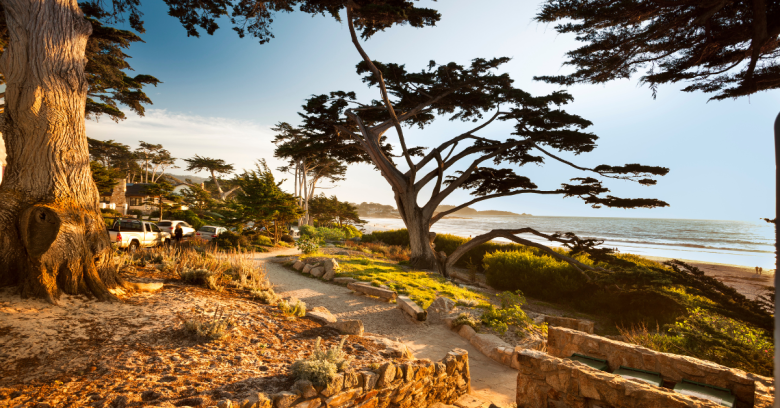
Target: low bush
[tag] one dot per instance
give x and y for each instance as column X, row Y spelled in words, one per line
column 308, row 244
column 710, row 336
column 465, row 319
column 351, row 232
column 321, row 366
column 307, row 231
column 542, row 277
column 267, row 296
column 293, row 307
column 214, row 328
column 286, row 238
column 509, row 314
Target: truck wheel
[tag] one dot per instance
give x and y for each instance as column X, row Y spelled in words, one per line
column 133, row 246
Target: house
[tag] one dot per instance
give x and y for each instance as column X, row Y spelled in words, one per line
column 128, row 197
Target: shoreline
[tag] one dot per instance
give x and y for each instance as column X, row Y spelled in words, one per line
column 740, row 277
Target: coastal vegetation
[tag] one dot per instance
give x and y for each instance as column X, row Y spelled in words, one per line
column 694, row 314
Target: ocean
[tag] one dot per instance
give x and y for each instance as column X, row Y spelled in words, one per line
column 727, row 242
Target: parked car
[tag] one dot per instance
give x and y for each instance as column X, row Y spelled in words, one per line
column 170, row 226
column 133, row 234
column 209, row 232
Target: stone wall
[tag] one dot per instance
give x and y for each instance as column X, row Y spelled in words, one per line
column 417, row 383
column 747, row 388
column 545, row 381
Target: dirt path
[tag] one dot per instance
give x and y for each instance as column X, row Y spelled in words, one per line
column 490, row 381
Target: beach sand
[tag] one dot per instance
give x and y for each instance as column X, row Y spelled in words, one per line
column 741, row 278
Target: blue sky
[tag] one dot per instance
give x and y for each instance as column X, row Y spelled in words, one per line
column 221, row 95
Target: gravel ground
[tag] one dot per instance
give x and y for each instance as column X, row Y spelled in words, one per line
column 490, row 381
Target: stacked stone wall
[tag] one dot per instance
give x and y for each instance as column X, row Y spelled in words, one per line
column 414, row 384
column 563, row 343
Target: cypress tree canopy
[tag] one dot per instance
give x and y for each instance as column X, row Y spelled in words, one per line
column 726, row 47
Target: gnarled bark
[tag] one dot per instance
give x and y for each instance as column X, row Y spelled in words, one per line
column 51, row 230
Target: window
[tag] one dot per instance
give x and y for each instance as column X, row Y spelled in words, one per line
column 210, row 230
column 130, row 226
column 105, row 199
column 184, row 224
column 164, row 224
column 154, row 228
column 136, row 201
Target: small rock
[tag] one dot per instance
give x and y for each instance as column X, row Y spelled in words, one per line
column 442, row 305
column 225, row 403
column 285, row 399
column 307, row 268
column 331, row 265
column 321, row 315
column 317, row 272
column 298, row 265
column 353, row 327
column 305, row 387
column 168, row 378
column 329, row 275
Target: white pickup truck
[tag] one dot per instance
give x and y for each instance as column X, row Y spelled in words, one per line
column 133, row 234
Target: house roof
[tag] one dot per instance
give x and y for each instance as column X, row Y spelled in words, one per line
column 137, row 189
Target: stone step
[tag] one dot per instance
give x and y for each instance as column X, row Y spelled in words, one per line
column 372, row 290
column 411, row 308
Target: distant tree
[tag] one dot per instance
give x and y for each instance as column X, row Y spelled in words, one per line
column 197, row 198
column 465, row 93
column 730, row 48
column 329, row 210
column 310, row 161
column 105, row 178
column 159, row 193
column 44, row 63
column 116, row 156
column 213, row 166
column 155, row 160
column 263, row 202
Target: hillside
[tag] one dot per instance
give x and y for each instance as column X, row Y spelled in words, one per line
column 470, row 212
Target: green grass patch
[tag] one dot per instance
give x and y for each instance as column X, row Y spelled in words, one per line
column 422, row 287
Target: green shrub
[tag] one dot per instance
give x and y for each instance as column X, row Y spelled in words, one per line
column 308, row 245
column 447, row 243
column 214, row 328
column 308, row 231
column 331, row 234
column 293, row 307
column 351, row 232
column 541, row 277
column 710, row 336
column 467, row 320
column 267, row 296
column 321, row 366
column 509, row 314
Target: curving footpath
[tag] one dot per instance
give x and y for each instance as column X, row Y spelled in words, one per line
column 490, row 381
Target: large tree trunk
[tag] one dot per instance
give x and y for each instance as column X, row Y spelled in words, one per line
column 422, row 256
column 51, row 231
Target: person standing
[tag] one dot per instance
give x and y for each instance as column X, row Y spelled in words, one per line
column 178, row 233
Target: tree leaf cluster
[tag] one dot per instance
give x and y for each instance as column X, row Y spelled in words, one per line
column 726, row 47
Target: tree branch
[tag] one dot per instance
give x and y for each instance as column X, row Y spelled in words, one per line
column 382, row 88
column 443, row 214
column 511, row 235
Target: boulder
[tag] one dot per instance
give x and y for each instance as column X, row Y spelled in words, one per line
column 298, row 265
column 394, row 349
column 442, row 305
column 329, row 274
column 411, row 308
column 307, row 268
column 574, row 324
column 331, row 265
column 373, row 291
column 321, row 315
column 317, row 272
column 353, row 327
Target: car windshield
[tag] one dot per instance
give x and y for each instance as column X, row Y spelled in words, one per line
column 184, row 224
column 208, row 229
